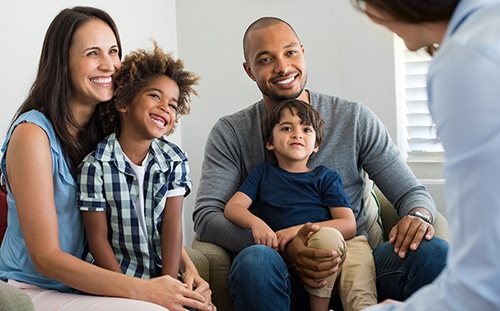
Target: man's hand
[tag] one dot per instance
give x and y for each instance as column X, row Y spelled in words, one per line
column 408, row 233
column 305, row 261
column 286, row 235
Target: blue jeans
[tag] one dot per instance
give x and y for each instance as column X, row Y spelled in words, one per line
column 399, row 278
column 259, row 280
column 259, row 277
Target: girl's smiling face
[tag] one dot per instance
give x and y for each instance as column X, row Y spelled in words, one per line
column 153, row 111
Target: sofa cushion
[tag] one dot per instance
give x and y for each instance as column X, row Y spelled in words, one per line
column 374, row 225
column 220, row 265
column 13, row 299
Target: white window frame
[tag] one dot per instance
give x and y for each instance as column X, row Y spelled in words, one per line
column 426, row 164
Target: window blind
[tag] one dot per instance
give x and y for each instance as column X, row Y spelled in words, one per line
column 421, row 131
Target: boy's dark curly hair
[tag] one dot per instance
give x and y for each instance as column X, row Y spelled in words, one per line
column 138, row 69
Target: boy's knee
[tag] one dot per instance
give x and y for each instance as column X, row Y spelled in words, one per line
column 328, row 238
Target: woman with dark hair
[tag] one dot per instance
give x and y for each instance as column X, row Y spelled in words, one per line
column 51, row 133
column 464, row 99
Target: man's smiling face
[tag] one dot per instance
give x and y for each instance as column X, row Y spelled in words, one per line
column 276, row 62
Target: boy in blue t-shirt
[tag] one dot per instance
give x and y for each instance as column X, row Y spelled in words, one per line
column 277, row 199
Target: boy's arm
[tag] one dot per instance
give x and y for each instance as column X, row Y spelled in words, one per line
column 96, row 228
column 171, row 236
column 92, row 204
column 236, row 210
column 343, row 220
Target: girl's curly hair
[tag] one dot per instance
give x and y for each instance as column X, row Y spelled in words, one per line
column 139, row 67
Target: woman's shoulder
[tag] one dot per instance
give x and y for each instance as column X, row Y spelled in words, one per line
column 34, row 117
column 35, row 128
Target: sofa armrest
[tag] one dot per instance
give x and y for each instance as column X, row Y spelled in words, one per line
column 201, row 263
column 11, row 298
column 220, row 265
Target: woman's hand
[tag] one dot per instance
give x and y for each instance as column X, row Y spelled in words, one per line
column 173, row 294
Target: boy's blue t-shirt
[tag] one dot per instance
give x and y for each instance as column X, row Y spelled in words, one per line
column 283, row 199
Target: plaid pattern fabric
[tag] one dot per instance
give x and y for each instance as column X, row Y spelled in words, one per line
column 107, row 183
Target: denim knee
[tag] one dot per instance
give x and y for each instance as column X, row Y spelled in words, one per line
column 399, row 278
column 259, row 280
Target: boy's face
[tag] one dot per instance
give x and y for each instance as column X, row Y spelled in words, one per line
column 292, row 141
column 152, row 112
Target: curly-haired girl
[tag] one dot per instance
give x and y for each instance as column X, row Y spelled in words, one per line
column 131, row 188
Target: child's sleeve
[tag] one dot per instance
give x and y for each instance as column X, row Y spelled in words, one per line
column 90, row 190
column 180, row 182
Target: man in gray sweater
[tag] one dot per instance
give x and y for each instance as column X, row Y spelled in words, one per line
column 355, row 142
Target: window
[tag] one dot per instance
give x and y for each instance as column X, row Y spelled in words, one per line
column 417, row 129
column 420, row 131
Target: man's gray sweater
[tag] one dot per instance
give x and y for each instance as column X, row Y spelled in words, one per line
column 355, row 140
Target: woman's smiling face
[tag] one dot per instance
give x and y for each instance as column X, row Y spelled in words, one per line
column 93, row 59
